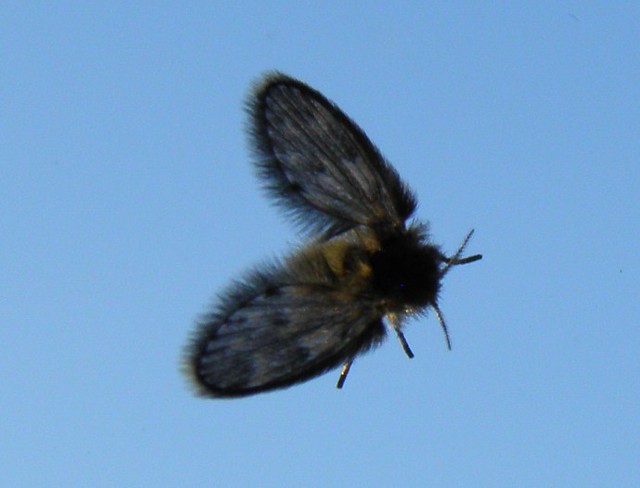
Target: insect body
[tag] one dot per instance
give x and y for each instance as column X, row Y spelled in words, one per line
column 294, row 319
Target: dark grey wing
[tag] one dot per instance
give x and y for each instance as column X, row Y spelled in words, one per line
column 272, row 333
column 319, row 165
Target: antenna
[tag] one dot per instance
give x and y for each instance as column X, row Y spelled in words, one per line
column 456, row 259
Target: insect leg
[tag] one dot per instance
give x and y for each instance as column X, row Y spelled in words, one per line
column 344, row 372
column 443, row 324
column 405, row 345
column 395, row 324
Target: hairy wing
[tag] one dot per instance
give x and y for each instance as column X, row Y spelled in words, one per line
column 319, row 164
column 271, row 332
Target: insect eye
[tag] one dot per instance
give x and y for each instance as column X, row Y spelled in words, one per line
column 407, row 274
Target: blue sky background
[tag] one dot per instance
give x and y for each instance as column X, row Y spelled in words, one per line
column 128, row 201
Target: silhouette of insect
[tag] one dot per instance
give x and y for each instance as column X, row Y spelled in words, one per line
column 296, row 318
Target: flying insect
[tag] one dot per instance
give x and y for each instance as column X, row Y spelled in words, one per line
column 366, row 268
